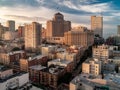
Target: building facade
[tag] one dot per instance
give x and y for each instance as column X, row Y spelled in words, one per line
column 21, row 31
column 101, row 52
column 11, row 25
column 97, row 25
column 47, row 76
column 57, row 26
column 80, row 36
column 92, row 66
column 8, row 58
column 31, row 61
column 32, row 35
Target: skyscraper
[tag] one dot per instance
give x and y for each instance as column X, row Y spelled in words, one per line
column 97, row 25
column 21, row 31
column 118, row 31
column 57, row 26
column 32, row 35
column 11, row 25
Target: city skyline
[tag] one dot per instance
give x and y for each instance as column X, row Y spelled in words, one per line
column 78, row 12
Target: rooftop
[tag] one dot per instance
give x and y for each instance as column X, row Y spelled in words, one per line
column 37, row 67
column 12, row 76
column 95, row 81
column 36, row 57
column 113, row 77
column 92, row 60
column 58, row 13
column 55, row 69
column 15, row 52
column 60, row 62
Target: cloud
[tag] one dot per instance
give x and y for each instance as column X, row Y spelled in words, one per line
column 66, row 6
column 16, row 17
column 77, row 11
column 87, row 6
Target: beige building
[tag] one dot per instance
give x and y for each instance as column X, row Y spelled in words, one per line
column 45, row 50
column 3, row 29
column 97, row 25
column 49, row 51
column 31, row 61
column 67, row 56
column 57, row 26
column 80, row 36
column 33, row 35
column 92, row 66
column 101, row 52
column 11, row 25
column 11, row 57
column 10, row 35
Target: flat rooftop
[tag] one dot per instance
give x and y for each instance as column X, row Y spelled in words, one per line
column 37, row 67
column 12, row 76
column 91, row 60
column 95, row 81
column 15, row 52
column 60, row 62
column 36, row 57
column 55, row 69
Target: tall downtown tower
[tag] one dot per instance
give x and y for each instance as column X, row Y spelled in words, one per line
column 57, row 26
column 97, row 25
column 32, row 35
column 11, row 25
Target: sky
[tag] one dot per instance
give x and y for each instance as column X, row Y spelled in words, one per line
column 76, row 11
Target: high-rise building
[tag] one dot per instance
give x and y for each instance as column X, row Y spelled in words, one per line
column 11, row 25
column 118, row 32
column 21, row 31
column 33, row 35
column 57, row 26
column 97, row 25
column 81, row 37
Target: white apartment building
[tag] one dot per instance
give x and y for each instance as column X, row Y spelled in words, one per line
column 92, row 66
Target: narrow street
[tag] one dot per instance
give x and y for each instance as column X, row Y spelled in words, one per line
column 78, row 68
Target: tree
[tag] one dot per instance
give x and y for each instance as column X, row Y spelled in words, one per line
column 15, row 49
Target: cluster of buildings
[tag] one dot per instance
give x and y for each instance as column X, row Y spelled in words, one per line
column 57, row 30
column 24, row 53
column 13, row 81
column 47, row 68
column 101, row 72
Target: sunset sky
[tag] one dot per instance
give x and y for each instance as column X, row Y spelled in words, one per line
column 76, row 11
